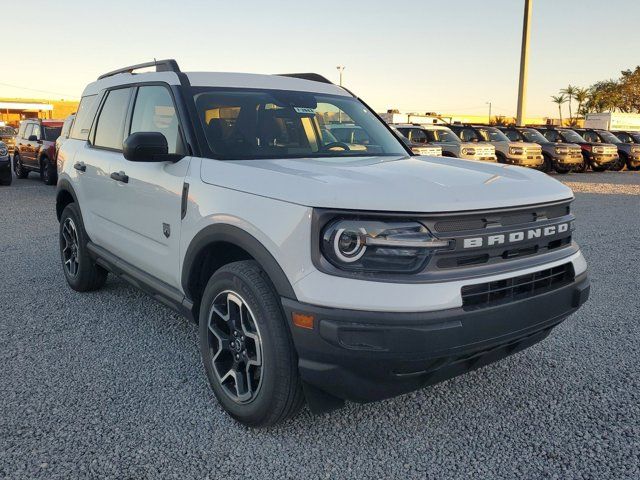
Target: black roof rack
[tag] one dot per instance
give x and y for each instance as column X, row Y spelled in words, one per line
column 168, row 65
column 314, row 77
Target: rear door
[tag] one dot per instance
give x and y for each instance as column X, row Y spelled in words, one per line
column 26, row 149
column 147, row 214
column 104, row 147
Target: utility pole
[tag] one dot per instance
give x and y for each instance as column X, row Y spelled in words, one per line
column 524, row 61
column 489, row 122
column 340, row 69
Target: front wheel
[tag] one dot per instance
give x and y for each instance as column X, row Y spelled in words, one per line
column 18, row 168
column 547, row 164
column 619, row 163
column 246, row 348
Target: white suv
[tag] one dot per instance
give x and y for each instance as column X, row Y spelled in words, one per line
column 314, row 271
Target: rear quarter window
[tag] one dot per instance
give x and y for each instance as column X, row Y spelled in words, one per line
column 84, row 117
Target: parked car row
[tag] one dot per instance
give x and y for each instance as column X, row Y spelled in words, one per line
column 546, row 148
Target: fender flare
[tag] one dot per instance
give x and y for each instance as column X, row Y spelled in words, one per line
column 64, row 186
column 236, row 236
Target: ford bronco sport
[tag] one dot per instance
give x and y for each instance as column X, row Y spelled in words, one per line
column 35, row 149
column 627, row 153
column 315, row 272
column 633, row 140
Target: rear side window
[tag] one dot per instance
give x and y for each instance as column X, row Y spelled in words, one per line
column 154, row 111
column 110, row 124
column 84, row 117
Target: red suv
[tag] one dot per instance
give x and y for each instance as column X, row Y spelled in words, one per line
column 35, row 149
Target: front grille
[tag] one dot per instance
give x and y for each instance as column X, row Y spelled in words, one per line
column 516, row 288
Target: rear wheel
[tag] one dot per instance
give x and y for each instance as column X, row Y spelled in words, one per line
column 246, row 347
column 48, row 172
column 18, row 168
column 82, row 274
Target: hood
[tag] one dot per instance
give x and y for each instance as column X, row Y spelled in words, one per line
column 399, row 184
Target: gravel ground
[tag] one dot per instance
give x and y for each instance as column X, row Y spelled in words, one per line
column 109, row 384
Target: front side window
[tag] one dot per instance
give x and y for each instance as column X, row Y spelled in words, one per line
column 491, row 134
column 443, row 135
column 571, row 137
column 513, row 135
column 27, row 130
column 470, row 135
column 552, row 136
column 591, row 137
column 154, row 111
column 531, row 135
column 110, row 124
column 418, row 135
column 253, row 124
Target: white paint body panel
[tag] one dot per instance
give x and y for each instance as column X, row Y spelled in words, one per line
column 273, row 200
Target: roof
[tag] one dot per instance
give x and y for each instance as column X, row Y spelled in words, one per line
column 219, row 79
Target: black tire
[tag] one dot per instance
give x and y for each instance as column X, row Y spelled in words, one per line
column 48, row 173
column 547, row 164
column 599, row 168
column 619, row 164
column 18, row 168
column 562, row 170
column 6, row 179
column 87, row 276
column 277, row 394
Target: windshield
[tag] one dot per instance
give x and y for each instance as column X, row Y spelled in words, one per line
column 51, row 133
column 7, row 131
column 571, row 136
column 492, row 135
column 609, row 137
column 534, row 136
column 636, row 137
column 254, row 124
column 443, row 135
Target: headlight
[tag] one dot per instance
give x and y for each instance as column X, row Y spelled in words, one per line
column 635, row 150
column 418, row 150
column 598, row 149
column 468, row 151
column 516, row 150
column 562, row 150
column 378, row 246
column 3, row 151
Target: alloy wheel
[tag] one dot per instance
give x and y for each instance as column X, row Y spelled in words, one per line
column 235, row 346
column 70, row 248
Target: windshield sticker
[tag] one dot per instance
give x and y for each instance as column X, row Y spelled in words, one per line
column 305, row 110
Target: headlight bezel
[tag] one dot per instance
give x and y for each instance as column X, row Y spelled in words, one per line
column 471, row 151
column 323, row 219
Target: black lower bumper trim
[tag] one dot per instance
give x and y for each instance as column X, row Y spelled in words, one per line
column 366, row 356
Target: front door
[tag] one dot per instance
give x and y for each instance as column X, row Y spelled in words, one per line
column 147, row 206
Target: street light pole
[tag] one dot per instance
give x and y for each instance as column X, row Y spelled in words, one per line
column 524, row 62
column 489, row 103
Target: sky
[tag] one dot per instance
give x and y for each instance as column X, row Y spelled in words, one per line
column 447, row 56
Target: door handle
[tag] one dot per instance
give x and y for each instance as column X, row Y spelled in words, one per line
column 120, row 177
column 80, row 166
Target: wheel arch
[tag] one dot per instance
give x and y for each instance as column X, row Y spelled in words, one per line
column 218, row 245
column 64, row 196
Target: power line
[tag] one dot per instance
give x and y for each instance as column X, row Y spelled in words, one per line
column 40, row 91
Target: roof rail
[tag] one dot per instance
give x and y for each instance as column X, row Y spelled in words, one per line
column 314, row 77
column 168, row 65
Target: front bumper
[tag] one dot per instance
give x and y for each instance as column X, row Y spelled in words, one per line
column 569, row 159
column 526, row 161
column 489, row 158
column 366, row 356
column 603, row 159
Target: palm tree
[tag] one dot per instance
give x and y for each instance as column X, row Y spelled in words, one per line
column 560, row 99
column 570, row 91
column 581, row 95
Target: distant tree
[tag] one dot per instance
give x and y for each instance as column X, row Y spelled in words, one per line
column 570, row 91
column 559, row 100
column 581, row 95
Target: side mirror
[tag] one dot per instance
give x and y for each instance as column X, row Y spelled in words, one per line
column 146, row 147
column 33, row 138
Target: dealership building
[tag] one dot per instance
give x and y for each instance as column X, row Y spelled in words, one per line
column 12, row 111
